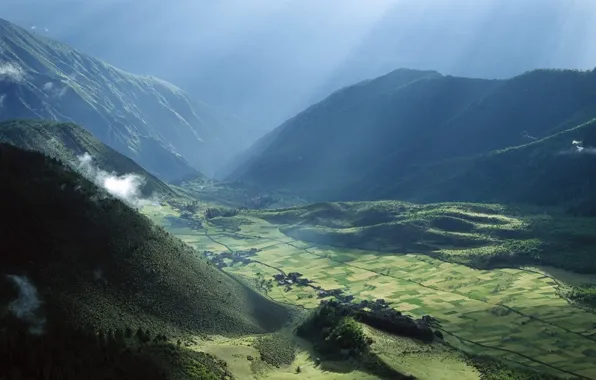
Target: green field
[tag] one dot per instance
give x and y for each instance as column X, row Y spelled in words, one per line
column 513, row 314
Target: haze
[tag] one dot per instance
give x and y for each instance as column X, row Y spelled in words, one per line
column 265, row 60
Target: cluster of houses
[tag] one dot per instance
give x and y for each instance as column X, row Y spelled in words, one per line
column 219, row 259
column 292, row 278
column 377, row 312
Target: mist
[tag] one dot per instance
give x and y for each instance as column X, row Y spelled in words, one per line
column 125, row 187
column 266, row 60
column 11, row 72
column 26, row 306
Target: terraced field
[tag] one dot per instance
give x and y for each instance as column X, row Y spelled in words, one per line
column 513, row 314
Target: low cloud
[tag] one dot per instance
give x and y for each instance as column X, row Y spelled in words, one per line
column 11, row 71
column 26, row 306
column 2, row 97
column 48, row 86
column 126, row 187
column 579, row 148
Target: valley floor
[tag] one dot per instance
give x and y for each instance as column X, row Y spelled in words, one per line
column 516, row 315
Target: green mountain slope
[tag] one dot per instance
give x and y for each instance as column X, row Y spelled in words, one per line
column 149, row 120
column 482, row 236
column 365, row 145
column 67, row 142
column 550, row 171
column 96, row 263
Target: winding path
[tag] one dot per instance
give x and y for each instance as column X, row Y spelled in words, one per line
column 432, row 288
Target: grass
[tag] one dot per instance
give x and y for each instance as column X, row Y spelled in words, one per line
column 503, row 313
column 481, row 236
column 109, row 354
column 66, row 141
column 514, row 314
column 276, row 349
column 99, row 265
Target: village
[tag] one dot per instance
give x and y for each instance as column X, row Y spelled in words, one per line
column 377, row 313
column 218, row 259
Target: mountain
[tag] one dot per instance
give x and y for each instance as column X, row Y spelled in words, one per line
column 365, row 141
column 69, row 142
column 258, row 61
column 149, row 120
column 84, row 261
column 556, row 170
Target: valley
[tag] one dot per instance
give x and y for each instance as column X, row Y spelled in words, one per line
column 416, row 225
column 519, row 315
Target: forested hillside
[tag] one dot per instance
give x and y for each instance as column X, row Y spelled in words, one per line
column 76, row 260
column 68, row 142
column 390, row 139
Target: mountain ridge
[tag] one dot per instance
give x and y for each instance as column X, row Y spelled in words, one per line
column 96, row 263
column 147, row 119
column 342, row 148
column 68, row 142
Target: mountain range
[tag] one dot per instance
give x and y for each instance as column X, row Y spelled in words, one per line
column 423, row 136
column 78, row 262
column 151, row 121
column 70, row 143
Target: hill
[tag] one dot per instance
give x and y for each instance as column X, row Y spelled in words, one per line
column 378, row 134
column 83, row 260
column 556, row 170
column 149, row 120
column 482, row 236
column 68, row 142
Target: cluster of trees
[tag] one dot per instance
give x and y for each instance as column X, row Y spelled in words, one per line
column 336, row 335
column 214, row 212
column 584, row 294
column 75, row 353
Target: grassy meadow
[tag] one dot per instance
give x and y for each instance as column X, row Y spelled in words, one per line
column 517, row 314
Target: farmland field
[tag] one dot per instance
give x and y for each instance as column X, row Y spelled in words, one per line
column 514, row 314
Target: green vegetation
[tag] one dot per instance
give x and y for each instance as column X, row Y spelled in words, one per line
column 513, row 314
column 584, row 294
column 97, row 265
column 74, row 354
column 423, row 137
column 66, row 141
column 546, row 172
column 276, row 349
column 338, row 336
column 236, row 195
column 478, row 235
column 491, row 369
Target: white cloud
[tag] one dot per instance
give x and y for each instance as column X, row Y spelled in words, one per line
column 579, row 149
column 126, row 187
column 48, row 86
column 25, row 307
column 2, row 97
column 11, row 71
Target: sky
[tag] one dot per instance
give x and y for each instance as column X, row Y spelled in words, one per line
column 266, row 60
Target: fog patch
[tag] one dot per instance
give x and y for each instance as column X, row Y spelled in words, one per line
column 528, row 136
column 25, row 307
column 125, row 187
column 11, row 72
column 579, row 148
